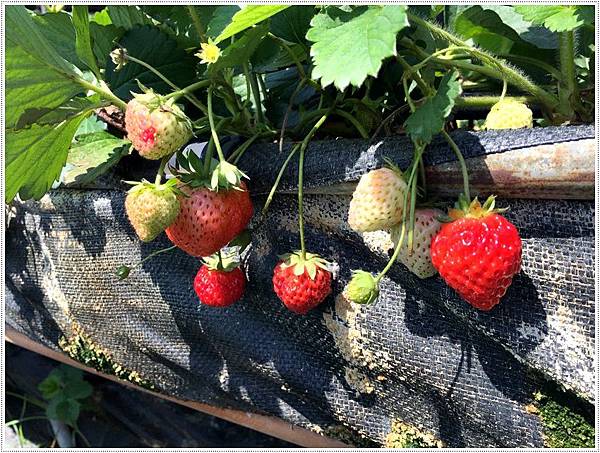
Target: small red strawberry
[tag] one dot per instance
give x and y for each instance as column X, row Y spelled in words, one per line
column 478, row 253
column 301, row 283
column 219, row 283
column 156, row 126
column 418, row 261
column 152, row 207
column 208, row 220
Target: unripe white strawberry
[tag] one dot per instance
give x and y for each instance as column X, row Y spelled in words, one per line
column 155, row 126
column 509, row 114
column 378, row 200
column 427, row 226
column 151, row 208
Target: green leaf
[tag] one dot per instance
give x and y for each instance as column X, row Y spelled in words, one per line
column 158, row 50
column 352, row 46
column 31, row 84
column 429, row 118
column 36, row 156
column 59, row 31
column 247, row 17
column 128, row 17
column 89, row 125
column 22, row 31
column 241, row 50
column 293, row 23
column 51, row 386
column 104, row 38
column 83, row 42
column 63, row 409
column 557, row 17
column 77, row 389
column 92, row 155
column 101, row 18
column 69, row 109
column 220, row 18
column 269, row 56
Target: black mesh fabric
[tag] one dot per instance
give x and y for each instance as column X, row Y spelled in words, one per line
column 420, row 355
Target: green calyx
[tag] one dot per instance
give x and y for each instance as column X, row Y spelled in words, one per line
column 363, row 288
column 226, row 176
column 309, row 263
column 170, row 186
column 223, row 262
column 154, row 101
column 465, row 208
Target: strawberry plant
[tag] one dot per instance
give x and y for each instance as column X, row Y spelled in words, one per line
column 88, row 85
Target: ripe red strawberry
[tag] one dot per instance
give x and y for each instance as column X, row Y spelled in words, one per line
column 219, row 283
column 418, row 261
column 301, row 283
column 151, row 208
column 208, row 220
column 378, row 200
column 155, row 126
column 478, row 253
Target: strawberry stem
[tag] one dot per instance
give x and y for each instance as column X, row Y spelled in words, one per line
column 303, row 147
column 213, row 129
column 461, row 161
column 178, row 92
column 278, row 179
column 161, row 169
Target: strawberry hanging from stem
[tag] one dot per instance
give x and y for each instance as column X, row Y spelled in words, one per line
column 220, row 282
column 301, row 280
column 478, row 253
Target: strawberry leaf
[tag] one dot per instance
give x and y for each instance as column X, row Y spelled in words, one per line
column 92, row 155
column 349, row 46
column 557, row 17
column 247, row 17
column 428, row 119
column 83, row 40
column 36, row 156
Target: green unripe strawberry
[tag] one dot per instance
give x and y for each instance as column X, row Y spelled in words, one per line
column 362, row 288
column 151, row 208
column 509, row 114
column 155, row 126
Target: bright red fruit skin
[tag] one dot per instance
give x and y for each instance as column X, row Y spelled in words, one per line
column 209, row 220
column 219, row 288
column 300, row 293
column 478, row 257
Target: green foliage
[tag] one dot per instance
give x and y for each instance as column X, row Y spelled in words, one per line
column 65, row 390
column 91, row 155
column 558, row 17
column 349, row 46
column 563, row 425
column 155, row 48
column 247, row 17
column 83, row 43
column 429, row 118
column 279, row 65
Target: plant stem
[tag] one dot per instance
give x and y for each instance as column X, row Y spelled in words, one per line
column 511, row 75
column 178, row 92
column 238, row 153
column 153, row 254
column 469, row 102
column 104, row 92
column 278, row 179
column 291, row 53
column 361, row 130
column 287, row 112
column 161, row 169
column 255, row 93
column 188, row 89
column 568, row 92
column 196, row 20
column 213, row 130
column 303, row 147
column 461, row 161
column 25, row 419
